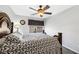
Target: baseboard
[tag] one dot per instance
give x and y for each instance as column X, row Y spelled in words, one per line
column 71, row 49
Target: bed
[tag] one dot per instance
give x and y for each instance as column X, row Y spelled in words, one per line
column 31, row 43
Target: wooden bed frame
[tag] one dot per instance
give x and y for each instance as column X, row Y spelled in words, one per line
column 60, row 40
column 59, row 36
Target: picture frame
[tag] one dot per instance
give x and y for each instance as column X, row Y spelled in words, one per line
column 22, row 22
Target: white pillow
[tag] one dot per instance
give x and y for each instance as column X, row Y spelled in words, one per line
column 4, row 28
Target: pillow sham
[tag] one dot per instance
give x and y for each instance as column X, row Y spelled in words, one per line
column 4, row 30
column 4, row 33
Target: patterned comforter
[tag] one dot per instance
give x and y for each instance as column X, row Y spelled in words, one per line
column 12, row 45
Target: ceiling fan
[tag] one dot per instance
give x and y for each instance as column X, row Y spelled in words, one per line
column 41, row 10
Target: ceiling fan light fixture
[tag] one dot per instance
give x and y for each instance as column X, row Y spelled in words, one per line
column 41, row 14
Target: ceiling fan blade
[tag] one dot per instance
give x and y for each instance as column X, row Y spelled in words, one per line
column 46, row 7
column 32, row 8
column 48, row 13
column 34, row 13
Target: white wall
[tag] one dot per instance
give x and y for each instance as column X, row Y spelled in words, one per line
column 23, row 28
column 66, row 22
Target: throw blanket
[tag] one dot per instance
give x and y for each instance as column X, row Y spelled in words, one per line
column 12, row 45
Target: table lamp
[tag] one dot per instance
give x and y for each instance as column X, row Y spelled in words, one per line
column 17, row 26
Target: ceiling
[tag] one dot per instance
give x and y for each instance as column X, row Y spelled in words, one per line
column 25, row 11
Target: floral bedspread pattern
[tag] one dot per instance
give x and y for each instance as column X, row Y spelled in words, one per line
column 12, row 45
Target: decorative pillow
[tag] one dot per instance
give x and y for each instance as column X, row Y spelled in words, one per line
column 4, row 33
column 4, row 30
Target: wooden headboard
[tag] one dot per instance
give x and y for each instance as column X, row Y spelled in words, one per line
column 5, row 17
column 60, row 38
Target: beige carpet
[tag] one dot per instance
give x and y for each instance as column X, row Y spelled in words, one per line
column 67, row 51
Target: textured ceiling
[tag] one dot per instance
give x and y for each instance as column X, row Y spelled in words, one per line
column 25, row 11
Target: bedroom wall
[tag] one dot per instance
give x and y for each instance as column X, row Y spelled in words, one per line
column 23, row 28
column 16, row 18
column 66, row 22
